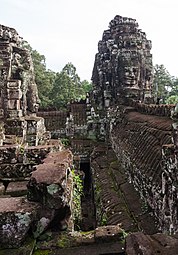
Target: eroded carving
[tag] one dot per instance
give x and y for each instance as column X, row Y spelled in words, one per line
column 123, row 64
column 19, row 94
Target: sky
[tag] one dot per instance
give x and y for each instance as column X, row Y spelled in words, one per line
column 69, row 30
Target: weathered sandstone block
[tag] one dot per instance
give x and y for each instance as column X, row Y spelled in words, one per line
column 16, row 217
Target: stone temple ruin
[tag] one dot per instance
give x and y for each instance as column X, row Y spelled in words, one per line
column 122, row 150
column 123, row 64
column 19, row 95
column 29, row 200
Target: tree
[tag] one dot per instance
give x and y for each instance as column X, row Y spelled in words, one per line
column 174, row 90
column 87, row 86
column 172, row 99
column 68, row 87
column 56, row 89
column 63, row 90
column 163, row 82
column 44, row 78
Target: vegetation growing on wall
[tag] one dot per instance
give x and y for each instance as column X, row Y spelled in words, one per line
column 101, row 216
column 77, row 193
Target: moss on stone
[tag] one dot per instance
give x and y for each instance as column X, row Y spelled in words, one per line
column 64, row 241
column 86, row 233
column 114, row 164
column 26, row 248
column 42, row 252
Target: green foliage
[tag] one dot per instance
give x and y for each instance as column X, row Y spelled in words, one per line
column 77, row 193
column 104, row 219
column 68, row 87
column 100, row 213
column 172, row 99
column 87, row 86
column 65, row 142
column 44, row 78
column 57, row 89
column 63, row 90
column 174, row 91
column 42, row 252
column 162, row 82
column 64, row 241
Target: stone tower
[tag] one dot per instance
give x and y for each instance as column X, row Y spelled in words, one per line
column 18, row 91
column 123, row 64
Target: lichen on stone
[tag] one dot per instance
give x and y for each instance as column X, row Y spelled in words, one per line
column 53, row 188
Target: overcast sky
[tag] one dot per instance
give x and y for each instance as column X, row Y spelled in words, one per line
column 69, row 30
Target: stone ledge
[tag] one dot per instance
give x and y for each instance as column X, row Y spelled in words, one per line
column 108, row 233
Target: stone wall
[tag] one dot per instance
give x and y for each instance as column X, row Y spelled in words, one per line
column 66, row 122
column 54, row 120
column 143, row 142
column 123, row 113
column 153, row 109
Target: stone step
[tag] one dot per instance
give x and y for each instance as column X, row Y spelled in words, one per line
column 16, row 189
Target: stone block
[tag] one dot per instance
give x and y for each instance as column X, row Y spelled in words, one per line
column 35, row 130
column 8, row 154
column 35, row 154
column 14, row 113
column 17, row 189
column 15, row 170
column 138, row 243
column 32, row 140
column 14, row 84
column 35, row 125
column 48, row 185
column 16, row 217
column 15, row 127
column 108, row 233
column 14, row 93
column 1, row 113
column 43, row 219
column 2, row 188
column 63, row 156
column 14, row 104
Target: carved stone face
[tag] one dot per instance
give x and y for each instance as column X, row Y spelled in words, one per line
column 130, row 75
